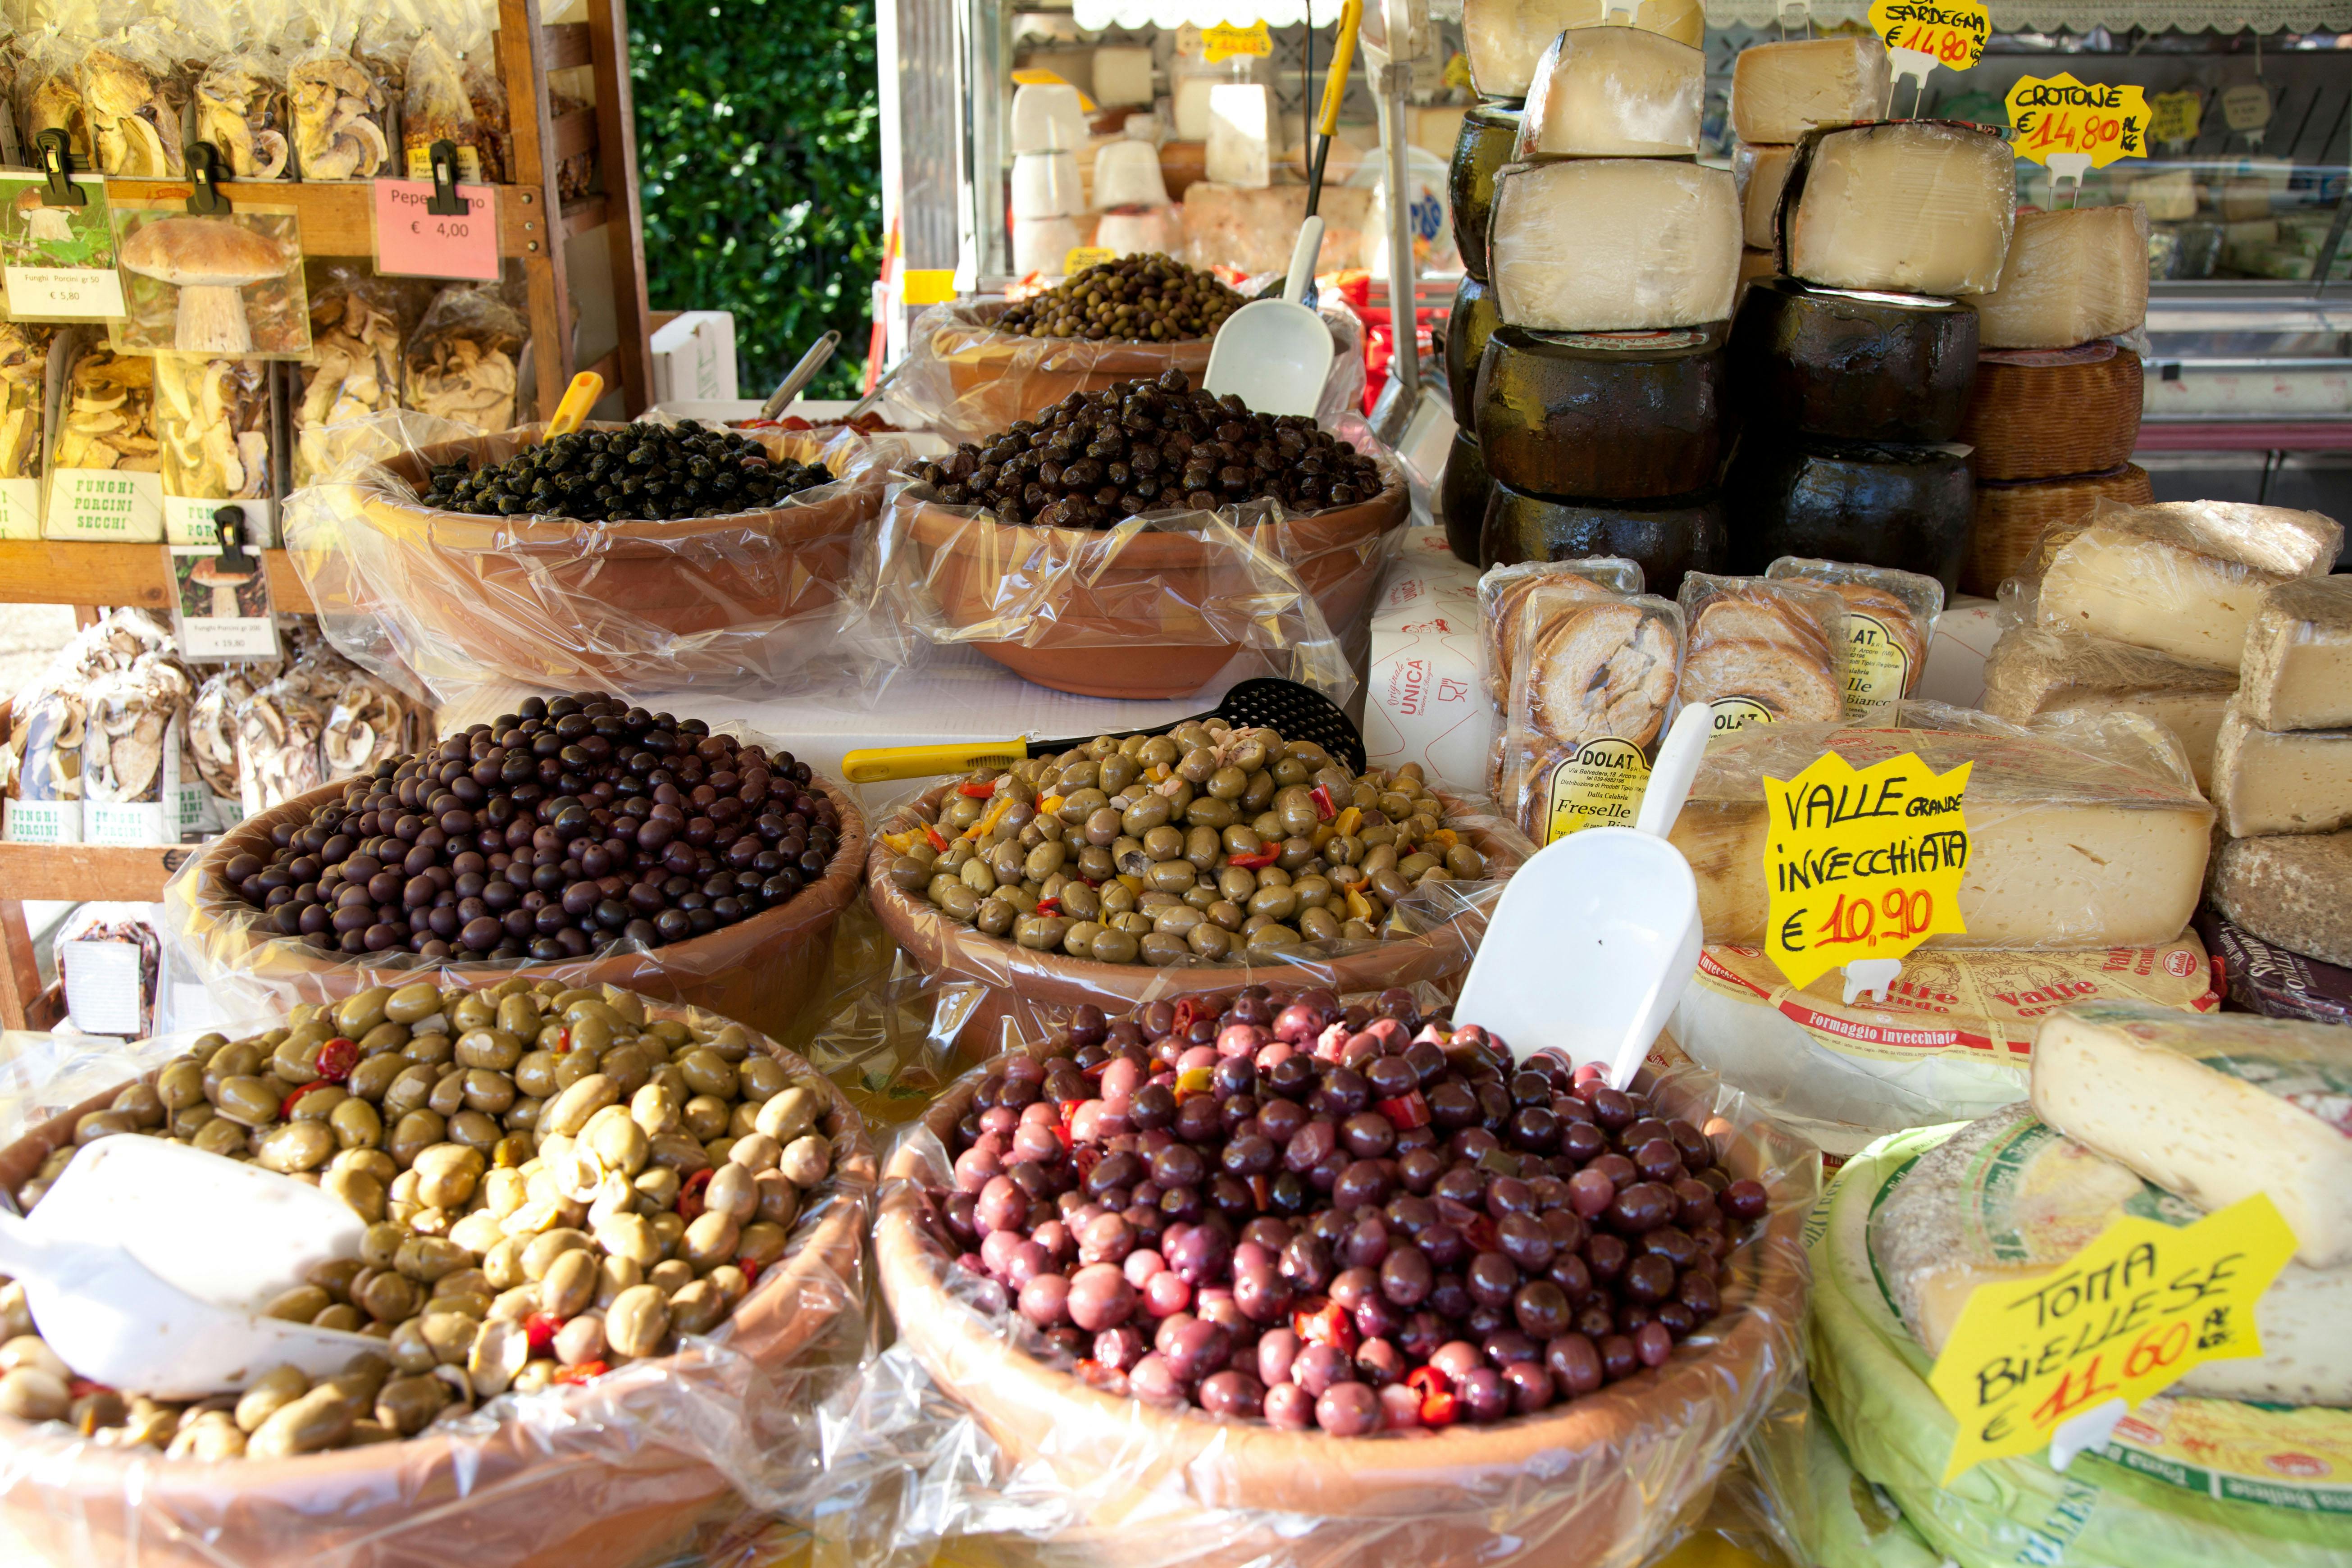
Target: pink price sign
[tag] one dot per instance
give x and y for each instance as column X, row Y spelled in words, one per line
column 413, row 241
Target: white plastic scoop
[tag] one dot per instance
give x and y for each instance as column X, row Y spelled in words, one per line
column 1594, row 938
column 170, row 1305
column 1274, row 353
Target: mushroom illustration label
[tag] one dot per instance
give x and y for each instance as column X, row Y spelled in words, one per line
column 60, row 260
column 209, row 261
column 224, row 604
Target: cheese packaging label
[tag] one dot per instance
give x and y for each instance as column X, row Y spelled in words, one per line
column 2131, row 1314
column 1963, row 1003
column 1877, row 669
column 1862, row 864
column 1730, row 713
column 1600, row 786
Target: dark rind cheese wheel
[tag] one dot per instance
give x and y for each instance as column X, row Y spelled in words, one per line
column 1667, row 538
column 1907, row 506
column 1852, row 366
column 2012, row 517
column 1461, row 496
column 2052, row 414
column 1488, row 133
column 1603, row 416
column 2260, row 977
column 1467, row 327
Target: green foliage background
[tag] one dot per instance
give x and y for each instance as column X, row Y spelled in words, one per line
column 760, row 151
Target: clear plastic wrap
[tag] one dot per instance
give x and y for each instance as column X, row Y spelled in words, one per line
column 1890, row 617
column 752, row 601
column 139, row 783
column 212, row 733
column 2037, row 669
column 133, row 94
column 434, row 106
column 1614, row 92
column 1592, row 683
column 279, row 756
column 338, row 108
column 1503, row 590
column 355, row 337
column 2083, row 830
column 109, row 966
column 241, row 108
column 462, row 361
column 611, row 1473
column 49, row 94
column 1815, row 1509
column 48, row 723
column 954, row 1431
column 1760, row 651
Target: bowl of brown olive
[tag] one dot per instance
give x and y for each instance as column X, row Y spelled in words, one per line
column 1292, row 1275
column 580, row 837
column 662, row 556
column 630, row 1216
column 1027, row 531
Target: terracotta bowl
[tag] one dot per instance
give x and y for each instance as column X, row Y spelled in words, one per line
column 1129, row 621
column 761, row 971
column 1020, row 981
column 549, row 602
column 588, row 1493
column 1607, row 1480
column 1000, row 378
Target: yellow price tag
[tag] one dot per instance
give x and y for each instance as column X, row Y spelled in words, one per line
column 1950, row 33
column 928, row 286
column 1861, row 864
column 2088, row 125
column 1223, row 43
column 2125, row 1318
column 1037, row 76
column 1457, row 71
column 1080, row 257
column 2176, row 116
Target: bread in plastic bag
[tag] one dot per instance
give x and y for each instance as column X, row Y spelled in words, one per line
column 1758, row 651
column 1890, row 619
column 2085, row 830
column 1593, row 688
column 1502, row 589
column 611, row 1473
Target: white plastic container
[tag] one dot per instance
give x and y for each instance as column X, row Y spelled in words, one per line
column 1039, row 244
column 1047, row 118
column 1126, row 174
column 1046, row 184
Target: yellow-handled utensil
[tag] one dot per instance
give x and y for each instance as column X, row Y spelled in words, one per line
column 1299, row 713
column 578, row 399
column 1327, row 125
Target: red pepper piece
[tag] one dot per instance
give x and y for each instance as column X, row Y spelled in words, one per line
column 585, row 1371
column 1186, row 1012
column 1328, row 1323
column 1426, row 1380
column 83, row 1387
column 1408, row 1110
column 1262, row 1190
column 750, row 1268
column 1086, row 1156
column 336, row 1060
column 1049, row 906
column 1321, row 796
column 539, row 1329
column 977, row 789
column 1440, row 1410
column 1256, row 862
column 938, row 840
column 563, row 1042
column 689, row 1194
column 286, row 1106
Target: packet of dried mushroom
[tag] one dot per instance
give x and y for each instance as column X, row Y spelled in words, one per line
column 43, row 758
column 213, row 418
column 241, row 108
column 106, row 471
column 211, row 734
column 139, row 783
column 132, row 94
column 23, row 395
column 462, row 361
column 355, row 337
column 337, row 107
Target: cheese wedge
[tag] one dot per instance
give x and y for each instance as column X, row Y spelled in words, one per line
column 2297, row 673
column 2212, row 1108
column 2289, row 892
column 1779, row 91
column 1760, row 172
column 2280, row 780
column 2154, row 594
column 2034, row 671
column 1503, row 39
column 2069, row 277
column 1912, row 208
column 1600, row 245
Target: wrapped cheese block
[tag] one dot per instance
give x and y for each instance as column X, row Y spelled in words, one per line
column 2280, row 780
column 1762, row 651
column 2211, row 1109
column 1911, row 208
column 2069, row 277
column 2035, row 669
column 1779, row 91
column 1613, row 244
column 2095, row 839
column 2297, row 671
column 1761, row 171
column 1614, row 92
column 1503, row 39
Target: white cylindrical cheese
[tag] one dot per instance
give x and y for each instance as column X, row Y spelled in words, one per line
column 1779, row 91
column 1761, row 171
column 1126, row 174
column 1039, row 244
column 1614, row 92
column 1911, row 208
column 1046, row 184
column 1503, row 39
column 1614, row 244
column 1238, row 153
column 2069, row 277
column 1047, row 118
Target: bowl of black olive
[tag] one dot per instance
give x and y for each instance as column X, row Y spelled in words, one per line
column 640, row 555
column 580, row 837
column 1023, row 530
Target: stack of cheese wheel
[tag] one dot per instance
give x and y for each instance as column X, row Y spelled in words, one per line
column 2056, row 408
column 1047, row 196
column 1489, row 133
column 1612, row 257
column 1854, row 368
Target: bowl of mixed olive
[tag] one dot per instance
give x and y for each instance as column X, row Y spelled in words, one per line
column 586, row 1213
column 719, row 571
column 1127, row 870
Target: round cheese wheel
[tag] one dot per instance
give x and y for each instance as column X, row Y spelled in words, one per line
column 1667, row 538
column 1852, row 366
column 1462, row 497
column 1489, row 132
column 1876, row 504
column 1608, row 417
column 2009, row 419
column 1468, row 325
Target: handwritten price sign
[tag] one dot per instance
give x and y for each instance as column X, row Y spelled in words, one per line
column 2089, row 126
column 2178, row 116
column 1862, row 864
column 1223, row 43
column 1949, row 33
column 2126, row 1317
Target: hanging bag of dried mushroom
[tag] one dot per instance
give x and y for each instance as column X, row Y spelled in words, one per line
column 49, row 726
column 49, row 95
column 339, row 114
column 213, row 418
column 132, row 93
column 212, row 736
column 369, row 723
column 24, row 382
column 241, row 110
column 356, row 341
column 106, row 479
column 436, row 107
column 139, row 777
column 278, row 731
column 462, row 360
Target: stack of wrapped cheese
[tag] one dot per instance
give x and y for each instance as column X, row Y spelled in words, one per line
column 2055, row 411
column 2136, row 1111
column 1853, row 368
column 1613, row 256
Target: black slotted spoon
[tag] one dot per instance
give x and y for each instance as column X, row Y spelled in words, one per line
column 1297, row 712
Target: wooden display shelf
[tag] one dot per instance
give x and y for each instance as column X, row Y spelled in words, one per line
column 68, row 571
column 339, row 219
column 75, row 873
